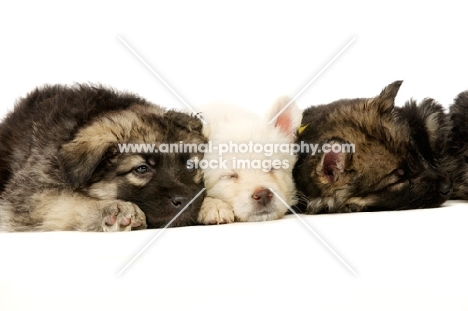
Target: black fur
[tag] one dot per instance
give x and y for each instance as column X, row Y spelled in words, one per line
column 458, row 146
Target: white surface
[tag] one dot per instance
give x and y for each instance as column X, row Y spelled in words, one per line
column 247, row 53
column 408, row 260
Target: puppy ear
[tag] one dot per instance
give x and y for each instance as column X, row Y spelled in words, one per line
column 332, row 166
column 285, row 115
column 385, row 102
column 79, row 159
column 186, row 120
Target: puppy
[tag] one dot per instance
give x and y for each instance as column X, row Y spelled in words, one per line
column 377, row 156
column 248, row 184
column 458, row 146
column 63, row 165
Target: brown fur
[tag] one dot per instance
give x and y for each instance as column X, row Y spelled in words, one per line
column 62, row 169
column 398, row 158
column 458, row 146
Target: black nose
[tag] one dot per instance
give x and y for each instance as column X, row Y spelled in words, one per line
column 445, row 187
column 262, row 196
column 179, row 201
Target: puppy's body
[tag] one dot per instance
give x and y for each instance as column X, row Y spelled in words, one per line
column 61, row 167
column 458, row 146
column 398, row 160
column 239, row 188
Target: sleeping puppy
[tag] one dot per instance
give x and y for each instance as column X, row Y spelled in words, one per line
column 63, row 165
column 248, row 183
column 373, row 156
column 458, row 146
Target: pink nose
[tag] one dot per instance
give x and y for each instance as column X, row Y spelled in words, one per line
column 262, row 196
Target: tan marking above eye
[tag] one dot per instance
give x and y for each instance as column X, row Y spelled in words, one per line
column 151, row 162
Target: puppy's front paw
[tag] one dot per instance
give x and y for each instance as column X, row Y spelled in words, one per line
column 122, row 216
column 214, row 212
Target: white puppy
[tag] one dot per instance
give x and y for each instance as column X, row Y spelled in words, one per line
column 243, row 164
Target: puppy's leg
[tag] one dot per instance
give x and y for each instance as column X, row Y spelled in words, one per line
column 214, row 211
column 65, row 210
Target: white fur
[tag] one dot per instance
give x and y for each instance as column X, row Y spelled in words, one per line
column 230, row 190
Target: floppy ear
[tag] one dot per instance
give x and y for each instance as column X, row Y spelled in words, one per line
column 385, row 102
column 78, row 160
column 189, row 121
column 285, row 115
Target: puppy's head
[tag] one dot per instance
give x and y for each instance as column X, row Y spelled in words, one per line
column 367, row 155
column 102, row 161
column 257, row 183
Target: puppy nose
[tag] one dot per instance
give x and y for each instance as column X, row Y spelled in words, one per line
column 445, row 187
column 179, row 201
column 262, row 196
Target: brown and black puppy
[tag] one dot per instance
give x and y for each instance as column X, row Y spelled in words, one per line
column 61, row 167
column 458, row 146
column 377, row 156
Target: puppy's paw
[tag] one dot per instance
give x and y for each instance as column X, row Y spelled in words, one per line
column 214, row 212
column 122, row 216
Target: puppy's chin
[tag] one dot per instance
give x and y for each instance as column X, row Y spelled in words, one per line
column 259, row 215
column 252, row 211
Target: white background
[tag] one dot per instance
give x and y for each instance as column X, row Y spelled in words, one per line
column 247, row 53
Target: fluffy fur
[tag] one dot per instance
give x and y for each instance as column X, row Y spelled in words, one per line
column 236, row 193
column 399, row 160
column 61, row 168
column 458, row 146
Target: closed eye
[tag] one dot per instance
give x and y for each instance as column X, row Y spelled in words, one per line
column 229, row 176
column 396, row 177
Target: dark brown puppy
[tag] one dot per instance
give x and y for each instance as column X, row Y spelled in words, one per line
column 396, row 160
column 458, row 146
column 61, row 167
